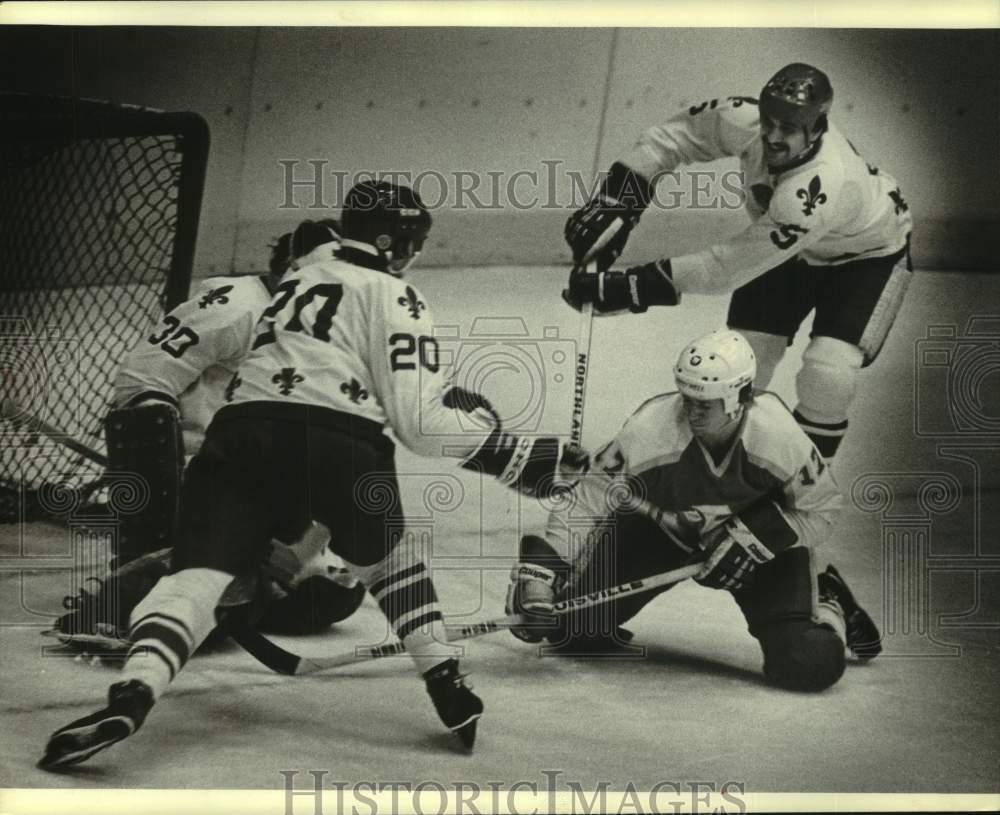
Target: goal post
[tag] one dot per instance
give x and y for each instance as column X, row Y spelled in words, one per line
column 99, row 211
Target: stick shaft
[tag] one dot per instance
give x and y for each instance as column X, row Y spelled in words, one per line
column 582, row 366
column 308, row 665
column 34, row 424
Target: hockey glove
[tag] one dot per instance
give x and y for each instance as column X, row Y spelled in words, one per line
column 532, row 592
column 598, row 230
column 635, row 289
column 733, row 554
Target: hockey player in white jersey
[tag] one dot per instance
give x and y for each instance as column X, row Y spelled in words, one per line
column 711, row 473
column 830, row 232
column 344, row 349
column 170, row 384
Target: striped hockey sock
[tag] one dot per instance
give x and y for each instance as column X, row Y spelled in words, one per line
column 169, row 624
column 826, row 435
column 402, row 587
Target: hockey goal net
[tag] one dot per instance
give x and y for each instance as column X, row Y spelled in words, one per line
column 99, row 207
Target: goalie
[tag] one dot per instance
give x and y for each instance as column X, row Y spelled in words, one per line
column 166, row 392
column 711, row 474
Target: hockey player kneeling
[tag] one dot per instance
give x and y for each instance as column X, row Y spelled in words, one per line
column 166, row 391
column 716, row 475
column 345, row 350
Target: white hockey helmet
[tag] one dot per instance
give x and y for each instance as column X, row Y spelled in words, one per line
column 720, row 365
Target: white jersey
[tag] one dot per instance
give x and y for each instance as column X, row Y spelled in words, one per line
column 656, row 467
column 196, row 348
column 194, row 351
column 357, row 341
column 830, row 207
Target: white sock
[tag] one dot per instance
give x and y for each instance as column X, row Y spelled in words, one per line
column 169, row 624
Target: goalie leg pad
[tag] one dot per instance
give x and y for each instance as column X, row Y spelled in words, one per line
column 146, row 442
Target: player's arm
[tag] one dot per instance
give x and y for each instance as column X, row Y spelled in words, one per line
column 599, row 230
column 433, row 418
column 802, row 211
column 213, row 325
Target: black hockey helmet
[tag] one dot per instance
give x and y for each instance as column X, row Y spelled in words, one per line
column 387, row 221
column 800, row 94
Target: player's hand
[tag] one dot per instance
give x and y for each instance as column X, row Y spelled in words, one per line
column 574, row 462
column 599, row 229
column 729, row 564
column 635, row 289
column 532, row 592
column 597, row 232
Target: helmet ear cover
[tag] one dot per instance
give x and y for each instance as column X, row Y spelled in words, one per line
column 391, row 220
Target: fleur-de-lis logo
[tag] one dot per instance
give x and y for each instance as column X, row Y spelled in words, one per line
column 215, row 296
column 412, row 302
column 812, row 197
column 234, row 383
column 354, row 391
column 287, row 380
column 897, row 198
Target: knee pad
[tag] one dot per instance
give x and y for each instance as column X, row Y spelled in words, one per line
column 802, row 655
column 827, row 381
column 768, row 349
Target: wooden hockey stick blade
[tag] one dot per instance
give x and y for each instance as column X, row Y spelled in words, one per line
column 278, row 659
column 9, row 409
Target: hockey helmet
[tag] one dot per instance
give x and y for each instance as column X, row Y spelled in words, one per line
column 720, row 365
column 799, row 94
column 386, row 220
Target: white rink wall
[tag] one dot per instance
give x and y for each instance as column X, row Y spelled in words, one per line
column 460, row 104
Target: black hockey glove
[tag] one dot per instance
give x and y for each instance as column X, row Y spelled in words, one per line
column 599, row 229
column 635, row 289
column 735, row 549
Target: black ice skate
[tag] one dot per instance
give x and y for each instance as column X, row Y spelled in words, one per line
column 456, row 704
column 863, row 637
column 128, row 704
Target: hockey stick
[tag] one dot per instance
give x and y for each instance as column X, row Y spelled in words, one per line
column 19, row 416
column 278, row 659
column 582, row 366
